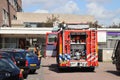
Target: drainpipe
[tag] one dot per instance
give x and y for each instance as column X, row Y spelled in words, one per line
column 8, row 5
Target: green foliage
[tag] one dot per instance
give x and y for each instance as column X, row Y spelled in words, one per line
column 94, row 25
column 114, row 25
column 50, row 20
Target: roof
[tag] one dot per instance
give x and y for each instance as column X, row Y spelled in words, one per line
column 42, row 17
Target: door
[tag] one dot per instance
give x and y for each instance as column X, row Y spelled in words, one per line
column 51, row 44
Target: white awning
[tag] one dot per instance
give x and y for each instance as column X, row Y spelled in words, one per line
column 11, row 30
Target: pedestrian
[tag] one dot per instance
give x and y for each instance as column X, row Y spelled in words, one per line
column 37, row 52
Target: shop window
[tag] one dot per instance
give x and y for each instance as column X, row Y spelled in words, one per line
column 111, row 43
column 10, row 42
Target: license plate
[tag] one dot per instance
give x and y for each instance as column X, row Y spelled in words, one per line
column 32, row 64
column 82, row 64
column 73, row 64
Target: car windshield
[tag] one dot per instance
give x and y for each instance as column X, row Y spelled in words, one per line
column 19, row 55
column 30, row 53
column 6, row 64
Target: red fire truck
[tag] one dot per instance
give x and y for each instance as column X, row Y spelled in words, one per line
column 73, row 46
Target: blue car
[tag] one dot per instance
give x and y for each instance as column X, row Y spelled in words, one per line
column 20, row 58
column 8, row 70
column 33, row 61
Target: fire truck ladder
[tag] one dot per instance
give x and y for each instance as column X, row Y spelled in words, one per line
column 93, row 45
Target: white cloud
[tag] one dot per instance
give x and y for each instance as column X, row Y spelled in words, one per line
column 99, row 1
column 53, row 6
column 46, row 4
column 99, row 11
column 103, row 15
column 94, row 7
column 70, row 7
column 41, row 11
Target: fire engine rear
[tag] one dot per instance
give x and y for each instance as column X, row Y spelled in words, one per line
column 73, row 46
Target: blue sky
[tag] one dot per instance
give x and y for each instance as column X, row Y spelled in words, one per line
column 106, row 12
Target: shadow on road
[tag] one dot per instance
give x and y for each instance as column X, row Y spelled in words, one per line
column 33, row 73
column 54, row 67
column 114, row 72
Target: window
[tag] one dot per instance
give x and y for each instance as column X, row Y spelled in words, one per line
column 111, row 43
column 19, row 55
column 12, row 2
column 10, row 43
column 30, row 54
column 15, row 5
column 5, row 17
column 0, row 41
column 6, row 64
column 52, row 38
column 19, row 9
column 37, row 24
column 33, row 24
column 14, row 17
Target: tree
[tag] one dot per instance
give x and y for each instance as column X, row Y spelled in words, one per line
column 95, row 25
column 50, row 20
column 114, row 25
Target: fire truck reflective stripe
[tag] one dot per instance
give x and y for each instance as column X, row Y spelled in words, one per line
column 60, row 57
column 67, row 56
column 64, row 57
column 88, row 56
column 92, row 58
column 96, row 59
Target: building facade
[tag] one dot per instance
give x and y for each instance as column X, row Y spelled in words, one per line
column 28, row 29
column 8, row 10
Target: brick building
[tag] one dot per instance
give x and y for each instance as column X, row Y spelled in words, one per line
column 8, row 10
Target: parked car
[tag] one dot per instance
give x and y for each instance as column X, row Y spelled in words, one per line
column 8, row 70
column 20, row 59
column 8, row 55
column 33, row 61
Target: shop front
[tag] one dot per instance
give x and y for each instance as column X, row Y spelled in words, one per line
column 22, row 37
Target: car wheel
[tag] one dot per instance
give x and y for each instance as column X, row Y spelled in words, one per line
column 32, row 71
column 25, row 76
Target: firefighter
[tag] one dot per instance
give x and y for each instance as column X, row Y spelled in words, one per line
column 37, row 52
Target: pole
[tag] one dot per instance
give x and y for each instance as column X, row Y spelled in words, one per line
column 8, row 5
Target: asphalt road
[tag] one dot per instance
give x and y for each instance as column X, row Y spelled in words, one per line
column 49, row 71
column 36, row 76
